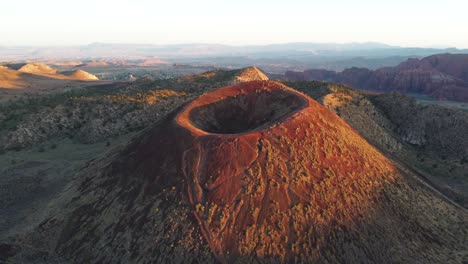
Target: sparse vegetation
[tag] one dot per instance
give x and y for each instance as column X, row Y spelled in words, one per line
column 309, row 189
column 394, row 123
column 334, row 210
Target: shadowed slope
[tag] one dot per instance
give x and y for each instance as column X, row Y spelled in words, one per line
column 9, row 78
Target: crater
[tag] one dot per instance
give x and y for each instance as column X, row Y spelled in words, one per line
column 242, row 113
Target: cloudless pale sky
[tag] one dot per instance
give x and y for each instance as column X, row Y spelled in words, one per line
column 397, row 22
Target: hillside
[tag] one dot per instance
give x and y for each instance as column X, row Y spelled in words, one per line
column 38, row 69
column 23, row 79
column 41, row 69
column 81, row 75
column 249, row 74
column 426, row 138
column 292, row 195
column 132, row 199
column 393, row 123
column 441, row 76
column 116, row 108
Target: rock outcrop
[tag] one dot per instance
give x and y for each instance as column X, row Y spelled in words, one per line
column 442, row 76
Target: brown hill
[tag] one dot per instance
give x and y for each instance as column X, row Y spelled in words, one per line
column 42, row 69
column 21, row 80
column 218, row 78
column 250, row 74
column 442, row 76
column 24, row 79
column 38, row 69
column 81, row 75
column 151, row 62
column 254, row 172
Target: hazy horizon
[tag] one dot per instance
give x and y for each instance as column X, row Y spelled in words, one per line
column 232, row 45
column 399, row 23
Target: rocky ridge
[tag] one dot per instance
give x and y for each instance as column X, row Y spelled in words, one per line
column 442, row 76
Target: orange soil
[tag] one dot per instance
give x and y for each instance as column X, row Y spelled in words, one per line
column 269, row 170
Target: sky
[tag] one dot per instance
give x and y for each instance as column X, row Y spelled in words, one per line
column 414, row 23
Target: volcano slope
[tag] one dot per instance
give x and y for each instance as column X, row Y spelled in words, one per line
column 255, row 172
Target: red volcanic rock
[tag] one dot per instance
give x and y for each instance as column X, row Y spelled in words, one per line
column 263, row 171
column 452, row 64
column 443, row 76
column 255, row 172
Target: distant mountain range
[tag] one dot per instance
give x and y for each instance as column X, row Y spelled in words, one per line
column 298, row 51
column 273, row 59
column 442, row 76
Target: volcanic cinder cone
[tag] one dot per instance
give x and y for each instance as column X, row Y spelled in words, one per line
column 262, row 164
column 257, row 172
